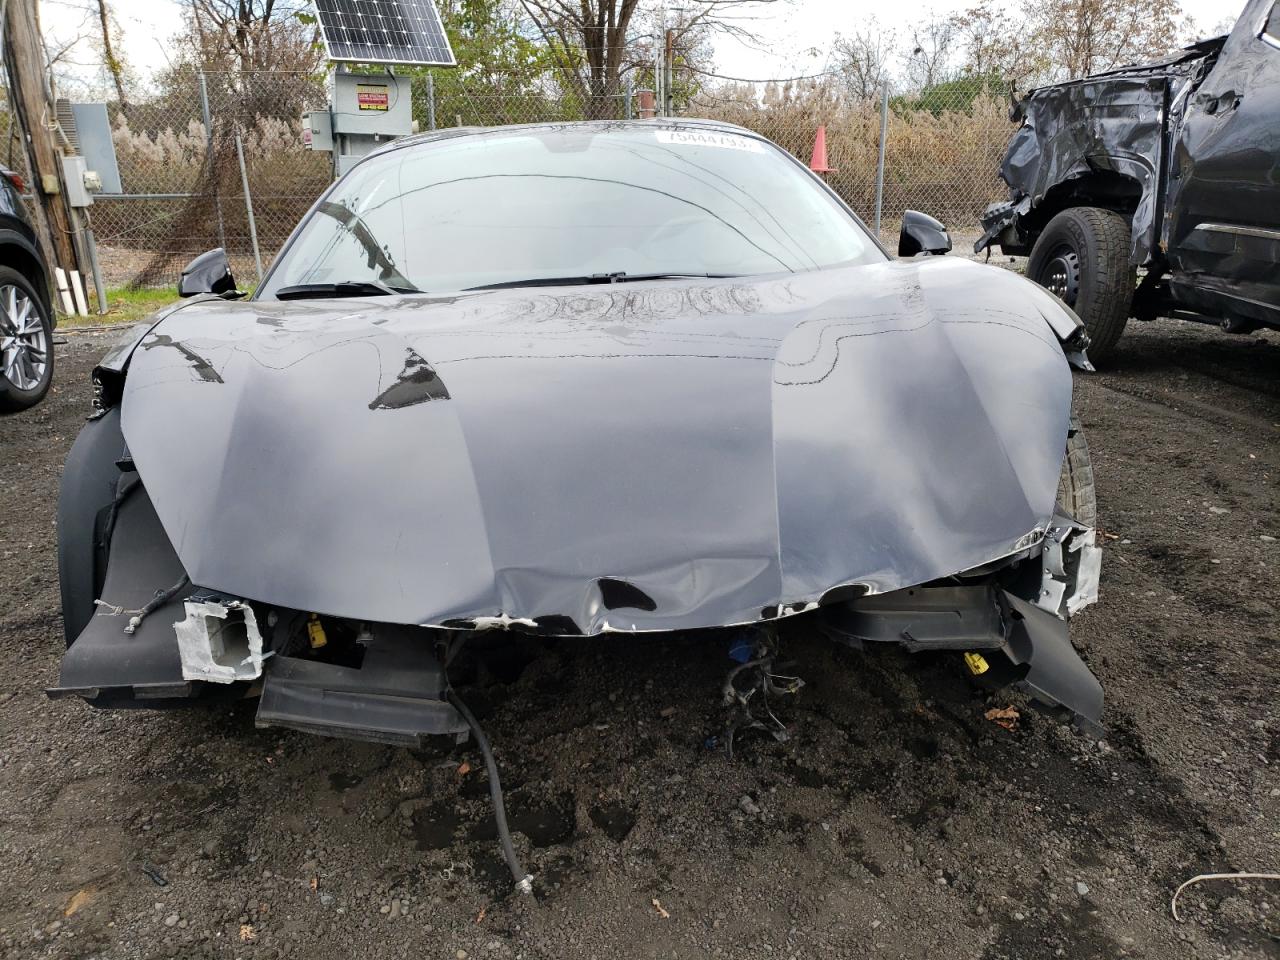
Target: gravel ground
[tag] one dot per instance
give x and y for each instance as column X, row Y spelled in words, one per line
column 897, row 822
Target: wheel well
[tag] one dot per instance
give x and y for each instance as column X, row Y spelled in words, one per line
column 22, row 260
column 1099, row 188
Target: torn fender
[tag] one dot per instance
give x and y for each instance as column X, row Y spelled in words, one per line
column 1105, row 124
column 1111, row 129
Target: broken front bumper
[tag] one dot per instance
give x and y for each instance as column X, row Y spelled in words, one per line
column 983, row 622
column 197, row 645
column 385, row 682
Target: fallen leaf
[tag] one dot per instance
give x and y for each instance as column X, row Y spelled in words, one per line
column 247, row 933
column 315, row 883
column 79, row 900
column 480, row 915
column 657, row 905
column 1006, row 717
column 463, row 768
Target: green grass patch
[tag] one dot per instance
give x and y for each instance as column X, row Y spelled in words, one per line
column 124, row 305
column 127, row 305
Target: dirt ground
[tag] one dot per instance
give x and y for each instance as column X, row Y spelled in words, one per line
column 897, row 822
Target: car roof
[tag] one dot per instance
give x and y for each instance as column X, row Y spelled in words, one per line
column 659, row 123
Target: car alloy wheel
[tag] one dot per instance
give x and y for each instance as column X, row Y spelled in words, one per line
column 24, row 346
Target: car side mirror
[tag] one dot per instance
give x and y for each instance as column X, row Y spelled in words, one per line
column 922, row 234
column 208, row 273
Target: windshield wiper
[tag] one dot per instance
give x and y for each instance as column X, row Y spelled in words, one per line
column 620, row 276
column 343, row 288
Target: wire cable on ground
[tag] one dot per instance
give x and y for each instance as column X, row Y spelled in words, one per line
column 1173, row 905
column 523, row 881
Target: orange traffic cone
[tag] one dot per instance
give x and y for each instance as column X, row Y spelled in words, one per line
column 818, row 162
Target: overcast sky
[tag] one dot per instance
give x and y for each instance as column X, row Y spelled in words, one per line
column 799, row 34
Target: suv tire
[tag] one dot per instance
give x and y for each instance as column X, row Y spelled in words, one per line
column 1082, row 256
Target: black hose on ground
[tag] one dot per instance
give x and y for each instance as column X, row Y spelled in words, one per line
column 523, row 881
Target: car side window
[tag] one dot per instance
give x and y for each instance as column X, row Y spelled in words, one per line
column 1271, row 29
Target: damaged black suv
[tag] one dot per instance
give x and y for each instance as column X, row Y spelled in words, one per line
column 1151, row 191
column 576, row 380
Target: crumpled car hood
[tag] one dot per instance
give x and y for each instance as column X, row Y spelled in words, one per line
column 644, row 456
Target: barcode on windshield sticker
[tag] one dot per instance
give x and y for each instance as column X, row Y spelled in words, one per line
column 710, row 138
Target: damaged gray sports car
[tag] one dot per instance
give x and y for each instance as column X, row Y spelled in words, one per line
column 575, row 380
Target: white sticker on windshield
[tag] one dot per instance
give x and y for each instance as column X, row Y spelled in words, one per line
column 710, row 138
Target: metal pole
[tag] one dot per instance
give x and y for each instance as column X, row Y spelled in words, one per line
column 336, row 152
column 248, row 208
column 658, row 72
column 213, row 174
column 91, row 247
column 431, row 100
column 668, row 76
column 884, row 133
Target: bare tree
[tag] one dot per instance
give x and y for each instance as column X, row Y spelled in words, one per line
column 248, row 35
column 588, row 37
column 862, row 59
column 931, row 47
column 228, row 47
column 63, row 43
column 993, row 43
column 594, row 42
column 1080, row 37
column 114, row 67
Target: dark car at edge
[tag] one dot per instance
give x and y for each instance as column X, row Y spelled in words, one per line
column 26, row 311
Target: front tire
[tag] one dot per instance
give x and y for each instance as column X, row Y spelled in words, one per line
column 1076, row 493
column 26, row 343
column 1082, row 256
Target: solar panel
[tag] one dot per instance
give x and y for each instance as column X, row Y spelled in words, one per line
column 384, row 31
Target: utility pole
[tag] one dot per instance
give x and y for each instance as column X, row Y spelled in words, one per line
column 29, row 95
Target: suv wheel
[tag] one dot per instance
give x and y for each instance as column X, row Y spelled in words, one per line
column 1082, row 256
column 26, row 343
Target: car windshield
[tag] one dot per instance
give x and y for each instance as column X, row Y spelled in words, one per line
column 585, row 204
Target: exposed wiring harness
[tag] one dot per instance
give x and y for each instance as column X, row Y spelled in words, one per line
column 123, row 493
column 155, row 603
column 523, row 881
column 760, row 680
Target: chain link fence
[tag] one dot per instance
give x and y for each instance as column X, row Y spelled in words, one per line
column 12, row 155
column 185, row 189
column 942, row 151
column 183, row 186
